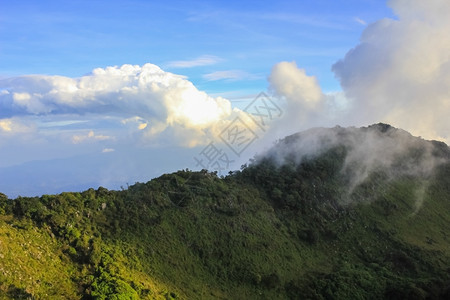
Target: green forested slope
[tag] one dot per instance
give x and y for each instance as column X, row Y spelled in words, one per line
column 291, row 225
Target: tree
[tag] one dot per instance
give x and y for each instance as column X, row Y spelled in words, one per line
column 3, row 203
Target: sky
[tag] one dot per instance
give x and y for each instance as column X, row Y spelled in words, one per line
column 113, row 92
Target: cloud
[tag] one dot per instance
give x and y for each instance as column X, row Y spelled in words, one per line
column 400, row 71
column 146, row 96
column 378, row 149
column 137, row 122
column 12, row 126
column 302, row 100
column 229, row 75
column 142, row 126
column 6, row 125
column 293, row 83
column 399, row 74
column 90, row 136
column 204, row 60
column 360, row 21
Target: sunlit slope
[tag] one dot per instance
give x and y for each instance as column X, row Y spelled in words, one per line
column 325, row 214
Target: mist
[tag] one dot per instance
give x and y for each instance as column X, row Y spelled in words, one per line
column 376, row 149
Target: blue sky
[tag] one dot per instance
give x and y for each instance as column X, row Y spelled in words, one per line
column 71, row 38
column 112, row 92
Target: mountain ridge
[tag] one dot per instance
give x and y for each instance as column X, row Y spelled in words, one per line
column 332, row 222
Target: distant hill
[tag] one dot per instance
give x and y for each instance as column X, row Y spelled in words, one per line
column 329, row 213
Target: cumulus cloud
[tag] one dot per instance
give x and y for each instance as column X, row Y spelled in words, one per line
column 293, row 83
column 304, row 104
column 146, row 96
column 399, row 74
column 400, row 71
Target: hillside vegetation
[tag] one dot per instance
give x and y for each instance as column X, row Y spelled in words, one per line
column 341, row 213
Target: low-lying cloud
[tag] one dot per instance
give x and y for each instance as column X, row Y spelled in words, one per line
column 399, row 74
column 379, row 149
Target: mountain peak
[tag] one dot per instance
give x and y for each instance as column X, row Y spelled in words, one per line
column 382, row 127
column 355, row 155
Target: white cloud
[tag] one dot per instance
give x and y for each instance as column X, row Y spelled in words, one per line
column 6, row 125
column 360, row 21
column 204, row 60
column 293, row 83
column 90, row 136
column 142, row 126
column 303, row 103
column 398, row 74
column 229, row 75
column 128, row 112
column 400, row 71
column 146, row 96
column 12, row 126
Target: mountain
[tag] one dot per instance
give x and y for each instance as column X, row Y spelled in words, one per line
column 77, row 173
column 329, row 213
